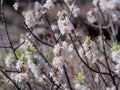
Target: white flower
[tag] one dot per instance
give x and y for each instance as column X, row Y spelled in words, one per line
column 90, row 51
column 90, row 18
column 111, row 88
column 56, row 49
column 58, row 13
column 71, row 48
column 116, row 56
column 57, row 75
column 115, row 16
column 77, row 86
column 75, row 10
column 42, row 78
column 38, row 10
column 61, row 49
column 117, row 69
column 21, row 65
column 43, row 67
column 96, row 78
column 12, row 76
column 81, row 87
column 21, row 77
column 54, row 27
column 48, row 4
column 107, row 4
column 68, row 2
column 58, row 62
column 30, row 18
column 16, row 6
column 64, row 24
column 9, row 62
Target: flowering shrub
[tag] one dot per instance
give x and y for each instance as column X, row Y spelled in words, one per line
column 63, row 58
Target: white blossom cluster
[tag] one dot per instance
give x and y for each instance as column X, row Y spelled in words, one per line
column 73, row 8
column 9, row 61
column 90, row 50
column 116, row 58
column 64, row 24
column 38, row 10
column 29, row 60
column 60, row 52
column 108, row 7
column 106, row 4
column 48, row 4
column 90, row 17
column 81, row 87
column 33, row 16
column 33, row 56
column 111, row 88
column 16, row 5
column 30, row 18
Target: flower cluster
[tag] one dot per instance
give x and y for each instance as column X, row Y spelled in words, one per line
column 90, row 50
column 74, row 9
column 116, row 57
column 9, row 61
column 106, row 4
column 48, row 4
column 90, row 17
column 60, row 52
column 64, row 24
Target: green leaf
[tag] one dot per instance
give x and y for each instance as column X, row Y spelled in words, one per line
column 87, row 40
column 79, row 78
column 22, row 57
column 115, row 47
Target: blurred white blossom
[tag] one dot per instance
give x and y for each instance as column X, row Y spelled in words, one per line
column 111, row 88
column 16, row 5
column 48, row 4
column 21, row 77
column 90, row 17
column 30, row 18
column 75, row 10
column 107, row 4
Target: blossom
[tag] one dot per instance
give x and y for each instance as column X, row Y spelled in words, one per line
column 90, row 18
column 64, row 24
column 111, row 88
column 38, row 10
column 115, row 16
column 48, row 4
column 21, row 65
column 57, row 75
column 38, row 66
column 21, row 77
column 81, row 87
column 54, row 27
column 68, row 2
column 58, row 62
column 90, row 50
column 29, row 18
column 116, row 56
column 61, row 49
column 75, row 10
column 15, row 5
column 117, row 69
column 116, row 53
column 70, row 47
column 9, row 62
column 107, row 4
